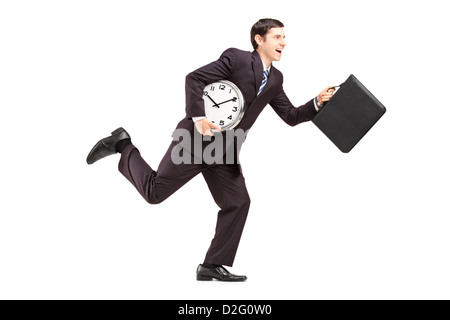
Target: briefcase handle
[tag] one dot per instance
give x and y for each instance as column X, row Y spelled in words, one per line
column 333, row 87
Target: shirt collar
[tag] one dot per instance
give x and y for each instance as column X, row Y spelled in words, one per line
column 263, row 64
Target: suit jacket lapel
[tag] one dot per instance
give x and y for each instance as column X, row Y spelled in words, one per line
column 258, row 73
column 270, row 81
column 257, row 70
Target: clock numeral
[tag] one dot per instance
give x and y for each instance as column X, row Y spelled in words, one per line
column 230, row 117
column 234, row 109
column 212, row 88
column 222, row 87
column 213, row 121
column 230, row 91
column 222, row 122
column 205, row 93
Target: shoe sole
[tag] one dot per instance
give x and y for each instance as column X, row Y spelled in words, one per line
column 209, row 278
column 204, row 278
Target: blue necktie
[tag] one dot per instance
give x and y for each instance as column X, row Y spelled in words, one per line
column 263, row 84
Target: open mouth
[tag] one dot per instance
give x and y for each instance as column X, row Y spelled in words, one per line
column 279, row 50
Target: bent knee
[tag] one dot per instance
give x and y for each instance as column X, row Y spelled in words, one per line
column 242, row 202
column 247, row 202
column 154, row 200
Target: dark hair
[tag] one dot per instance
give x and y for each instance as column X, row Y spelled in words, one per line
column 262, row 27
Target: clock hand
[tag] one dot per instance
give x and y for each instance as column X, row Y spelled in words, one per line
column 234, row 100
column 215, row 104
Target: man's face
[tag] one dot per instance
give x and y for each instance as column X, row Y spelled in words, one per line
column 272, row 45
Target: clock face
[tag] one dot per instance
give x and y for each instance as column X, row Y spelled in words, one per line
column 224, row 104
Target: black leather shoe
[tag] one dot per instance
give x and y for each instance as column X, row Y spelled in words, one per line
column 107, row 146
column 218, row 273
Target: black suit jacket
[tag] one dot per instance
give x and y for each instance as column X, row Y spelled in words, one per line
column 244, row 69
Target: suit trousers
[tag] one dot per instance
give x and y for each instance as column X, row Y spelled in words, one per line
column 225, row 182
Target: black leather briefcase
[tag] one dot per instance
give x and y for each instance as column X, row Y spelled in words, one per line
column 349, row 115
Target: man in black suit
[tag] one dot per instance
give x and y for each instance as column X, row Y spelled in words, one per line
column 247, row 70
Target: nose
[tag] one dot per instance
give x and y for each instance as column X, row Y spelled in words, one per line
column 283, row 43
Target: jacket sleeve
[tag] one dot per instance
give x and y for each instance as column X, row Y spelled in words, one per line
column 198, row 79
column 290, row 114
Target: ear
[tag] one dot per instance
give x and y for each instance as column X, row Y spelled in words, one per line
column 259, row 40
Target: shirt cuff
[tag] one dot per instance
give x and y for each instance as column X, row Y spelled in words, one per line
column 316, row 104
column 195, row 119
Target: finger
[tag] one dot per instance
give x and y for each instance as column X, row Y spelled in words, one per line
column 208, row 132
column 215, row 126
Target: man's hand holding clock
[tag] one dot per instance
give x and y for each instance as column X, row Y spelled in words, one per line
column 204, row 126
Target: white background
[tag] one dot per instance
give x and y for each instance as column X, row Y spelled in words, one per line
column 371, row 224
